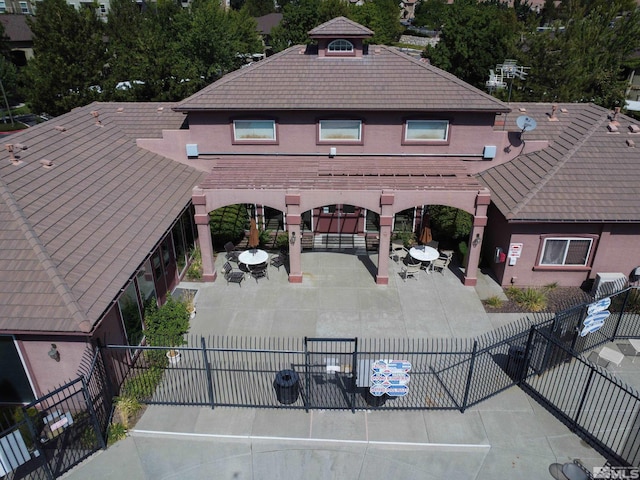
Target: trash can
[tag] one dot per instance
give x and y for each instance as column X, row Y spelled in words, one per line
column 286, row 386
column 515, row 362
column 374, row 400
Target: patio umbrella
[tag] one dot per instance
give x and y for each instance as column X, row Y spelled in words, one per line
column 254, row 236
column 425, row 234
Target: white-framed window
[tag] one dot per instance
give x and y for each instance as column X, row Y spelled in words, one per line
column 341, row 46
column 566, row 251
column 426, row 131
column 254, row 130
column 3, row 7
column 103, row 9
column 340, row 130
column 24, row 7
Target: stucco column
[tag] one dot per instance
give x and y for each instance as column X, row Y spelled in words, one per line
column 386, row 222
column 295, row 238
column 475, row 239
column 209, row 273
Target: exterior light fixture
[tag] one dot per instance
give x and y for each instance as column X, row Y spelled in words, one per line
column 292, row 238
column 54, row 353
column 477, row 240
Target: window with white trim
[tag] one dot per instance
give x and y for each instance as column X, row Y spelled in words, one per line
column 103, row 9
column 3, row 7
column 340, row 46
column 426, row 131
column 340, row 130
column 566, row 251
column 254, row 130
column 24, row 7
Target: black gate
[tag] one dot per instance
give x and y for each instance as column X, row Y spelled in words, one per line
column 330, row 370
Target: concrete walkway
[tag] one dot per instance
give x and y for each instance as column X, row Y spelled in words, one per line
column 507, row 436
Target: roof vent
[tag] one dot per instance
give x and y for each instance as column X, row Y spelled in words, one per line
column 612, row 128
column 120, row 109
column 522, row 109
column 160, row 109
column 614, row 116
column 564, row 110
column 60, row 128
column 630, row 143
column 634, row 128
column 96, row 115
column 46, row 163
column 377, row 50
column 12, row 158
column 20, row 146
column 554, row 109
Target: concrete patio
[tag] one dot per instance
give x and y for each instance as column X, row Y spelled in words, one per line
column 506, row 436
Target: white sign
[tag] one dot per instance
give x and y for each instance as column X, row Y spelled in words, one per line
column 390, row 377
column 515, row 250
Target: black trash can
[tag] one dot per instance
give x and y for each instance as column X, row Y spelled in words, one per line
column 373, row 400
column 515, row 362
column 287, row 386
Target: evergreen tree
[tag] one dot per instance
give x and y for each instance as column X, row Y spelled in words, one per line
column 69, row 57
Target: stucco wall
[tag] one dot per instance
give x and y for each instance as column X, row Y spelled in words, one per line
column 616, row 248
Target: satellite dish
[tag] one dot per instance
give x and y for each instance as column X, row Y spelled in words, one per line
column 526, row 124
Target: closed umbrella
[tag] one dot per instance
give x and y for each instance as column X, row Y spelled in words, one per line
column 425, row 234
column 254, row 236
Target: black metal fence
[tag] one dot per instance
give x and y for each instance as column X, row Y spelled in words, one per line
column 49, row 436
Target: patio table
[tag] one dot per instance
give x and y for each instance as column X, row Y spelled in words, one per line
column 611, row 356
column 424, row 254
column 253, row 256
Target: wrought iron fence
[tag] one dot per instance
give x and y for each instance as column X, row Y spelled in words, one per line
column 49, row 436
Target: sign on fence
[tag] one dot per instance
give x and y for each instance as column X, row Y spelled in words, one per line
column 390, row 377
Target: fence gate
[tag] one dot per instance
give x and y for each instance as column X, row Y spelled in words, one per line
column 329, row 377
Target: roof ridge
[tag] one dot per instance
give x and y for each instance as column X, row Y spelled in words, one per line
column 45, row 260
column 553, row 170
column 230, row 76
column 440, row 72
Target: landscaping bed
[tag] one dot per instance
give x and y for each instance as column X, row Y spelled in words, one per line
column 556, row 299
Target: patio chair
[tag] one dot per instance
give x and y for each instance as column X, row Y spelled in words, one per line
column 411, row 270
column 440, row 264
column 278, row 260
column 259, row 271
column 446, row 254
column 231, row 275
column 232, row 254
column 398, row 252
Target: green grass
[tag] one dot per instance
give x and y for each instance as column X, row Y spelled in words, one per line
column 494, row 302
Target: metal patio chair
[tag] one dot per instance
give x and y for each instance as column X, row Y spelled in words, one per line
column 231, row 275
column 411, row 270
column 259, row 271
column 440, row 264
column 232, row 253
column 278, row 260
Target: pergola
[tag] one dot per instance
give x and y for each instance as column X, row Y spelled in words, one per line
column 381, row 183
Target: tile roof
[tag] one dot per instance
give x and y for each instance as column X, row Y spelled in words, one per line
column 339, row 173
column 342, row 27
column 586, row 174
column 73, row 234
column 266, row 22
column 16, row 28
column 384, row 79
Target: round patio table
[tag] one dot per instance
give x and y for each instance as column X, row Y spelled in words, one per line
column 424, row 253
column 253, row 256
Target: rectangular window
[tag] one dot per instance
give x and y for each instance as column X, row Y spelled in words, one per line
column 103, row 9
column 254, row 131
column 340, row 131
column 3, row 7
column 24, row 7
column 566, row 251
column 426, row 131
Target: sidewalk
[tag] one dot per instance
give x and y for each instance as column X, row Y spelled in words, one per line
column 507, row 436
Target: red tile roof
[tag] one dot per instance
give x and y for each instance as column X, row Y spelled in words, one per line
column 16, row 28
column 384, row 79
column 73, row 234
column 587, row 174
column 340, row 27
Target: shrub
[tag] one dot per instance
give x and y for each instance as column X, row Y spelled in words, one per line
column 532, row 299
column 127, row 407
column 166, row 325
column 494, row 302
column 143, row 385
column 228, row 224
column 116, row 432
column 282, row 241
column 194, row 272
